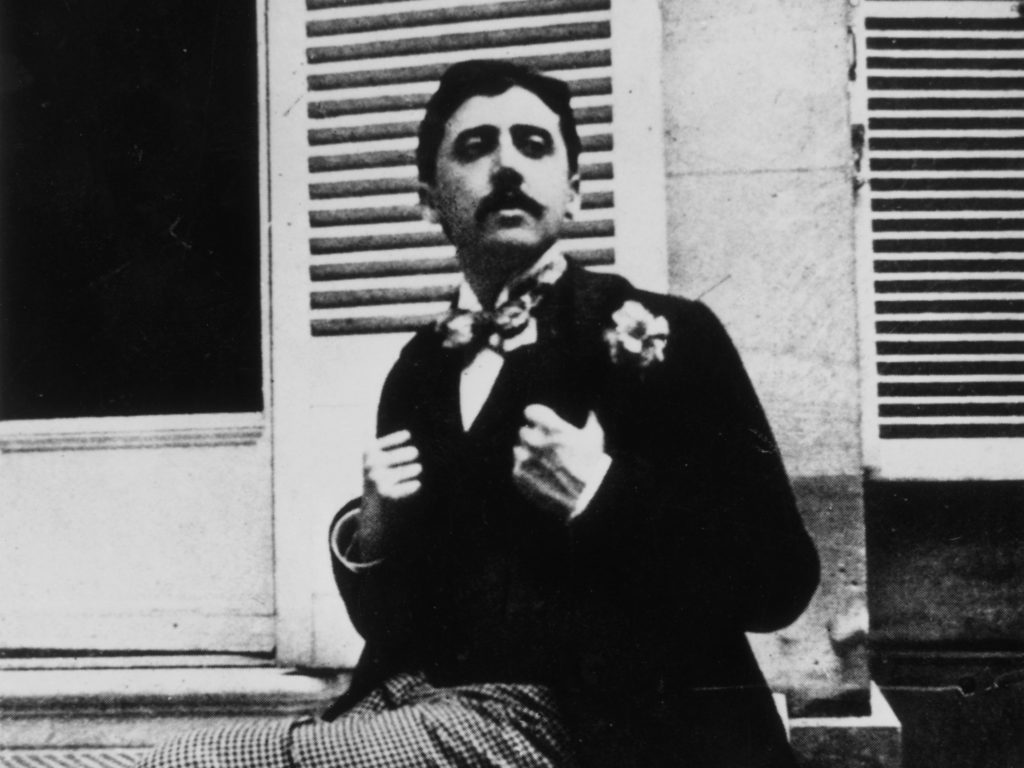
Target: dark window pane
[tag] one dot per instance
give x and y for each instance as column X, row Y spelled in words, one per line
column 129, row 208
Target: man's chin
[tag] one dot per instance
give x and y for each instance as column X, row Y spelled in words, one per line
column 509, row 253
column 513, row 243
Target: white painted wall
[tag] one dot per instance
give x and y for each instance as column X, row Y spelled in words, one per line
column 154, row 542
column 759, row 181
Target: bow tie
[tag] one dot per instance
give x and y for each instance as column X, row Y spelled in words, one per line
column 463, row 328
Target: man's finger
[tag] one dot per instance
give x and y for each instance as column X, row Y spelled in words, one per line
column 533, row 437
column 405, row 472
column 527, row 465
column 593, row 428
column 541, row 416
column 384, row 476
column 520, row 456
column 397, row 456
column 394, row 439
column 384, row 461
column 525, row 474
column 394, row 486
column 405, row 490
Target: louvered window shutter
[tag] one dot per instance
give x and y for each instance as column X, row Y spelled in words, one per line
column 939, row 96
column 374, row 265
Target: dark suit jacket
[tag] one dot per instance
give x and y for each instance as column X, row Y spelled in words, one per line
column 636, row 609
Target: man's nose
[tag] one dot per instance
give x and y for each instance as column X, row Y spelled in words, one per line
column 505, row 177
column 507, row 172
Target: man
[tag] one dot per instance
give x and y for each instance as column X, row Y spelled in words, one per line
column 576, row 487
column 575, row 508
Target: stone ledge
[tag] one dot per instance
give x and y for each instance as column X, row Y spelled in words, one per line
column 70, row 758
column 873, row 741
column 264, row 690
column 60, row 708
column 67, row 711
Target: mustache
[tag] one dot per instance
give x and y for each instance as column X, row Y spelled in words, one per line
column 508, row 198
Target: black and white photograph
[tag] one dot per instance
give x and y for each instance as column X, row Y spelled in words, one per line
column 511, row 384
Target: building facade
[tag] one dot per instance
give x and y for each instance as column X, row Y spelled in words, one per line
column 841, row 182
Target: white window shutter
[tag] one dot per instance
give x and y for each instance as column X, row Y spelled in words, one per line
column 938, row 101
column 374, row 265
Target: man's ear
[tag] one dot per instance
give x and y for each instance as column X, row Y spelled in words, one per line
column 428, row 210
column 572, row 209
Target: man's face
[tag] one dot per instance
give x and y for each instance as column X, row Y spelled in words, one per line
column 502, row 189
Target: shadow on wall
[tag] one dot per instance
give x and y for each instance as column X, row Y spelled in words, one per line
column 946, row 597
column 946, row 565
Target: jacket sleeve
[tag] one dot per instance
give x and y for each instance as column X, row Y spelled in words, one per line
column 696, row 511
column 381, row 598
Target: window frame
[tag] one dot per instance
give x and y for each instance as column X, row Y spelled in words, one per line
column 246, row 434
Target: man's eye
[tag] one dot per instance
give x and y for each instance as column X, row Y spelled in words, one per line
column 472, row 147
column 534, row 145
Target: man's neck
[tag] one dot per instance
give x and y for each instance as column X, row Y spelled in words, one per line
column 547, row 269
column 485, row 287
column 490, row 274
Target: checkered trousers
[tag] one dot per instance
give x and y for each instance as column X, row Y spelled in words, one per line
column 404, row 723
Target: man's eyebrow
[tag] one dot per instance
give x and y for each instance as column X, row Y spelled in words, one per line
column 476, row 130
column 531, row 128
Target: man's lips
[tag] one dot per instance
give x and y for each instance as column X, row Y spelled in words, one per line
column 499, row 202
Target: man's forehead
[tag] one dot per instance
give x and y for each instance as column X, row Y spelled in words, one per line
column 515, row 106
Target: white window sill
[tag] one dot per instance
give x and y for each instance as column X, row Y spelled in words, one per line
column 178, row 431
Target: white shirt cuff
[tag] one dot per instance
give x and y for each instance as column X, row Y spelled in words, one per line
column 595, row 476
column 343, row 543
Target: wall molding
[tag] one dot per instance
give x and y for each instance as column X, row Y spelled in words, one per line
column 118, row 433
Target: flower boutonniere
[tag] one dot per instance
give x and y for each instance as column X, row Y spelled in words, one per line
column 638, row 338
column 457, row 328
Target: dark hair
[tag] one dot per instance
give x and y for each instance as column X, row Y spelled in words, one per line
column 486, row 77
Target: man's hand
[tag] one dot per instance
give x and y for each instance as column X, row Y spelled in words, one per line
column 391, row 471
column 554, row 460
